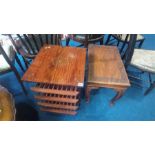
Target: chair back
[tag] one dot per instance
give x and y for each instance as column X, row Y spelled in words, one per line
column 12, row 67
column 6, row 58
column 33, row 42
column 85, row 39
column 130, row 50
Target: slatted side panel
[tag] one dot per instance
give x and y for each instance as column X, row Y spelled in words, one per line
column 57, row 98
column 55, row 89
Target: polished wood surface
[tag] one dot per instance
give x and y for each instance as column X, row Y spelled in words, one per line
column 58, row 65
column 106, row 69
column 106, row 66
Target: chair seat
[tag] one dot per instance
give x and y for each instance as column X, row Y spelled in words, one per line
column 144, row 60
column 10, row 53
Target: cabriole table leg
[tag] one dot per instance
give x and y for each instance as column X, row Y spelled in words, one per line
column 118, row 95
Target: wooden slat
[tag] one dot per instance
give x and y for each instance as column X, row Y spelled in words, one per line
column 54, row 91
column 41, row 40
column 35, row 42
column 57, row 99
column 60, row 106
column 27, row 39
column 24, row 43
column 60, row 111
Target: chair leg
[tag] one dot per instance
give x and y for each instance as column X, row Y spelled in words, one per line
column 19, row 63
column 101, row 42
column 124, row 43
column 108, row 39
column 67, row 41
column 86, row 44
column 118, row 43
column 141, row 43
column 26, row 63
column 123, row 46
column 19, row 80
column 152, row 86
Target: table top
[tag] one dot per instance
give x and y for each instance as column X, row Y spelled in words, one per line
column 106, row 66
column 58, row 65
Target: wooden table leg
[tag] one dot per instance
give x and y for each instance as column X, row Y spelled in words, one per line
column 88, row 90
column 118, row 95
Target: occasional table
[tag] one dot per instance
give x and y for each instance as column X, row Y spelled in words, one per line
column 106, row 69
column 59, row 74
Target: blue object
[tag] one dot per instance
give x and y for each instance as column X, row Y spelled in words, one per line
column 133, row 106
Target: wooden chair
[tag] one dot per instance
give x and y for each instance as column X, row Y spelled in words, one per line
column 121, row 40
column 8, row 48
column 28, row 45
column 85, row 39
column 141, row 59
column 7, row 62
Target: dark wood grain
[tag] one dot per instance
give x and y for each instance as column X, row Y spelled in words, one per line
column 106, row 66
column 106, row 69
